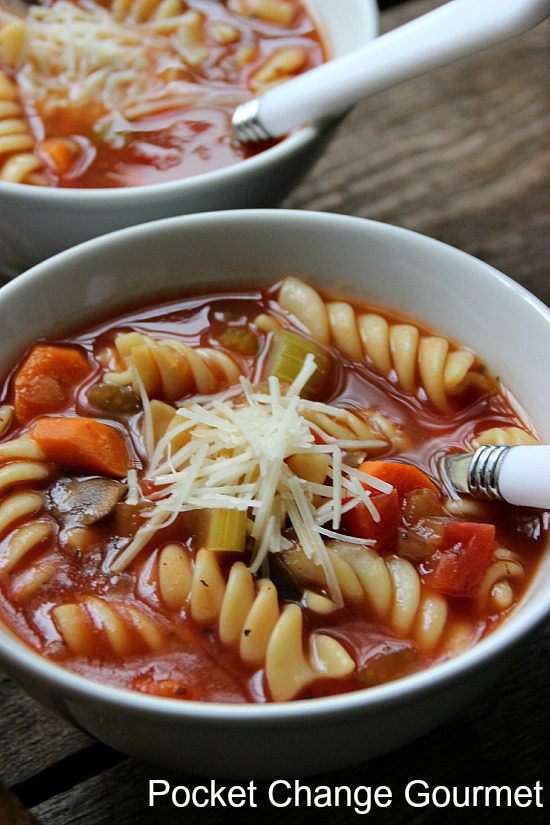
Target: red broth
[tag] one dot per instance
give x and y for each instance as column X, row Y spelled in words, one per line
column 126, row 628
column 106, row 125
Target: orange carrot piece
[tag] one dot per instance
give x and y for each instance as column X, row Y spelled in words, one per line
column 83, row 443
column 61, row 152
column 46, row 379
column 404, row 477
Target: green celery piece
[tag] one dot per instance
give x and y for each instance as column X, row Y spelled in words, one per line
column 223, row 530
column 286, row 358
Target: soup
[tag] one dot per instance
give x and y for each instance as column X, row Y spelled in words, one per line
column 133, row 92
column 236, row 497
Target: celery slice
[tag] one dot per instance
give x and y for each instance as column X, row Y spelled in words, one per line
column 286, row 357
column 240, row 340
column 222, row 530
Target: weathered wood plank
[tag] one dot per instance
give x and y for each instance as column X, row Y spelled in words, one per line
column 461, row 154
column 31, row 738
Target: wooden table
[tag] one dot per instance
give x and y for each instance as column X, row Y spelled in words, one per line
column 461, row 155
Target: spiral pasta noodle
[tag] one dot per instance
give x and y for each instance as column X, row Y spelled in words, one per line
column 249, row 619
column 418, row 361
column 389, row 587
column 28, row 576
column 505, row 436
column 6, row 417
column 121, row 628
column 497, row 587
column 273, row 11
column 19, row 163
column 22, row 532
column 139, row 11
column 367, row 426
column 171, row 369
column 21, row 462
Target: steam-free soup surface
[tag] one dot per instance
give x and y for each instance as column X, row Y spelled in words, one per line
column 117, row 94
column 234, row 497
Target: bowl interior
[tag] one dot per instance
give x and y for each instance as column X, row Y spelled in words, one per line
column 425, row 280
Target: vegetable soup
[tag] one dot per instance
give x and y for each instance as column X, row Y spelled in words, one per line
column 132, row 92
column 236, row 497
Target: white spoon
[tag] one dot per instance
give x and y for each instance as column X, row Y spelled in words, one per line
column 518, row 475
column 455, row 30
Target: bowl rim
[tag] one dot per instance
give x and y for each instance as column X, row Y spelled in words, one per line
column 294, row 142
column 520, row 625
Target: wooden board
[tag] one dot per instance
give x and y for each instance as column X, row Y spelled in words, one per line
column 461, row 154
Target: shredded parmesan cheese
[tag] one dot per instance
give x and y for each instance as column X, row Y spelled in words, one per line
column 235, row 458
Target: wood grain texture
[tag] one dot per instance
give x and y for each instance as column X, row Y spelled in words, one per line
column 31, row 738
column 461, row 155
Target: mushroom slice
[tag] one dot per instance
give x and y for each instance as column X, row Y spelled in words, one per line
column 74, row 502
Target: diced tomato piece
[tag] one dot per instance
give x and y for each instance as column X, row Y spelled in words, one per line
column 46, row 379
column 359, row 522
column 466, row 552
column 404, row 477
column 171, row 688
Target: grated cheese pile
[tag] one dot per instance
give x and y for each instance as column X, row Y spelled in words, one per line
column 235, row 458
column 80, row 57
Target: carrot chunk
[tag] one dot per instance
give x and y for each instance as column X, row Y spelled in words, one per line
column 46, row 379
column 84, row 444
column 61, row 152
column 404, row 477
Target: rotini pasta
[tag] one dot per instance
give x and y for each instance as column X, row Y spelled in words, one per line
column 6, row 417
column 24, row 533
column 505, row 436
column 389, row 588
column 279, row 66
column 273, row 11
column 171, row 369
column 96, row 623
column 497, row 591
column 369, row 426
column 108, row 67
column 140, row 11
column 249, row 620
column 19, row 162
column 22, row 462
column 255, row 517
column 417, row 361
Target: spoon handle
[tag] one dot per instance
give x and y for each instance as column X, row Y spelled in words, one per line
column 454, row 30
column 518, row 475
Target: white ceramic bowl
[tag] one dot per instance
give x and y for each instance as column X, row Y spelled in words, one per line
column 37, row 222
column 423, row 278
